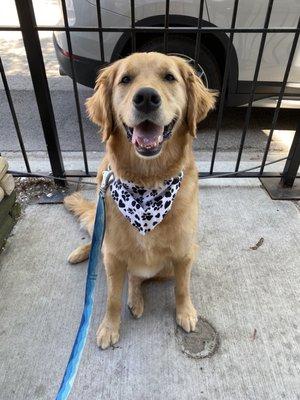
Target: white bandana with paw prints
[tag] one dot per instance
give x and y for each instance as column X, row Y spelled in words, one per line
column 145, row 208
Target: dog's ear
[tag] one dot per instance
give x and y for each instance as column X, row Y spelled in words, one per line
column 199, row 99
column 99, row 106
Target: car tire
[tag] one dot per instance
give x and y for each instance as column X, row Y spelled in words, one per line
column 185, row 47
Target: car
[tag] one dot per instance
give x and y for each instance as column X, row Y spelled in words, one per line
column 86, row 49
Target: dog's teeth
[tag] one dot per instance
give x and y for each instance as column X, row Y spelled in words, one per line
column 151, row 145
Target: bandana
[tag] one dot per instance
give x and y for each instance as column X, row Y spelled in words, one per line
column 145, row 208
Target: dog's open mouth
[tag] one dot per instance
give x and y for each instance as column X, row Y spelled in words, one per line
column 147, row 137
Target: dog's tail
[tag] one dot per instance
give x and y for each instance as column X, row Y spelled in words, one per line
column 84, row 209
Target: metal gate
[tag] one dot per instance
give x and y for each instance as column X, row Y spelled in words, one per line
column 30, row 33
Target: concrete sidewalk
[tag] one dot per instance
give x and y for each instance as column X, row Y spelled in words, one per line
column 238, row 289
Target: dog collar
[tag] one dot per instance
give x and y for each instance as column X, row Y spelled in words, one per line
column 145, row 208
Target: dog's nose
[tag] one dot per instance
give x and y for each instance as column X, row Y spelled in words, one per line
column 146, row 100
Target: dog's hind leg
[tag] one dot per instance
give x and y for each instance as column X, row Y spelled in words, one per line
column 135, row 300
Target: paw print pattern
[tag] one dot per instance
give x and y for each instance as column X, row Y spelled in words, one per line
column 145, row 208
column 115, row 195
column 147, row 216
column 125, row 196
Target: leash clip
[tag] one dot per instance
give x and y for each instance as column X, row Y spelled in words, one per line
column 107, row 179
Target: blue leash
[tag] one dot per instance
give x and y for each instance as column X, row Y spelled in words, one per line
column 78, row 346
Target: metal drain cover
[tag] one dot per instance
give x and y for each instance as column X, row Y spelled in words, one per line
column 202, row 343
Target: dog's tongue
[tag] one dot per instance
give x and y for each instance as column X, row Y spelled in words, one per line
column 147, row 134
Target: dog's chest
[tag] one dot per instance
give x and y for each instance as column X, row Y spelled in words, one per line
column 145, row 255
column 145, row 272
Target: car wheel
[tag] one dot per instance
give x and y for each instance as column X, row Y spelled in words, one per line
column 207, row 67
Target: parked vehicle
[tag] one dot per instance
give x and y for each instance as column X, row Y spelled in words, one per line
column 218, row 13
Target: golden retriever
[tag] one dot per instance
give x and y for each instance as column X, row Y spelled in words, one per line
column 136, row 100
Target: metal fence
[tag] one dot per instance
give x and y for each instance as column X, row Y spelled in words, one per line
column 30, row 33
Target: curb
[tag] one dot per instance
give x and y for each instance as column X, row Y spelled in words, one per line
column 9, row 213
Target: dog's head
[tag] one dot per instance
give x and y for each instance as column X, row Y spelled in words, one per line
column 149, row 97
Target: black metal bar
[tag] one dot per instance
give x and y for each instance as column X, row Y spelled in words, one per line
column 293, row 161
column 280, row 97
column 200, row 175
column 175, row 29
column 78, row 110
column 154, row 29
column 167, row 18
column 254, row 85
column 204, row 174
column 39, row 79
column 14, row 116
column 241, row 174
column 224, row 86
column 10, row 28
column 198, row 37
column 133, row 37
column 99, row 17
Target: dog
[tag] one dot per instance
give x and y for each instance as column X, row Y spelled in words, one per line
column 148, row 106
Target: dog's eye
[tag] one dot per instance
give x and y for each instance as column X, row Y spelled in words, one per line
column 169, row 78
column 126, row 79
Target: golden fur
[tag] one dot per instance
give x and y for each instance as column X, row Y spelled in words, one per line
column 170, row 247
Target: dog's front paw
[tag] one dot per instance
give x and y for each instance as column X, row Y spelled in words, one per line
column 186, row 317
column 107, row 335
